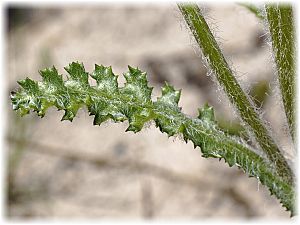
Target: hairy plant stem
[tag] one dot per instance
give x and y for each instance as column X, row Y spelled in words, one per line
column 228, row 82
column 281, row 27
column 253, row 8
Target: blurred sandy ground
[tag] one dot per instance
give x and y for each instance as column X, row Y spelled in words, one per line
column 77, row 170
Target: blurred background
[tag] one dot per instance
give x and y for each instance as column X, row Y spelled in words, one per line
column 77, row 170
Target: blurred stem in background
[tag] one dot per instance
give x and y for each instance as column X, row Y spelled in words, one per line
column 18, row 16
column 19, row 129
column 259, row 93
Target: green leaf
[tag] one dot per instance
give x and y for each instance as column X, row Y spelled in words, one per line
column 133, row 103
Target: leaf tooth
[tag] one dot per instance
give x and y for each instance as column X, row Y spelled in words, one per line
column 70, row 113
column 185, row 139
column 167, row 126
column 206, row 113
column 136, row 85
column 23, row 111
column 132, row 70
column 169, row 95
column 15, row 100
column 105, row 78
column 98, row 119
column 134, row 74
column 118, row 117
column 30, row 86
column 77, row 72
column 137, row 118
column 133, row 128
column 51, row 76
column 41, row 111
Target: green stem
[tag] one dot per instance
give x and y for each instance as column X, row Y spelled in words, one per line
column 228, row 82
column 253, row 8
column 281, row 26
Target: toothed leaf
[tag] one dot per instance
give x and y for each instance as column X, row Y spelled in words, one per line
column 133, row 103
